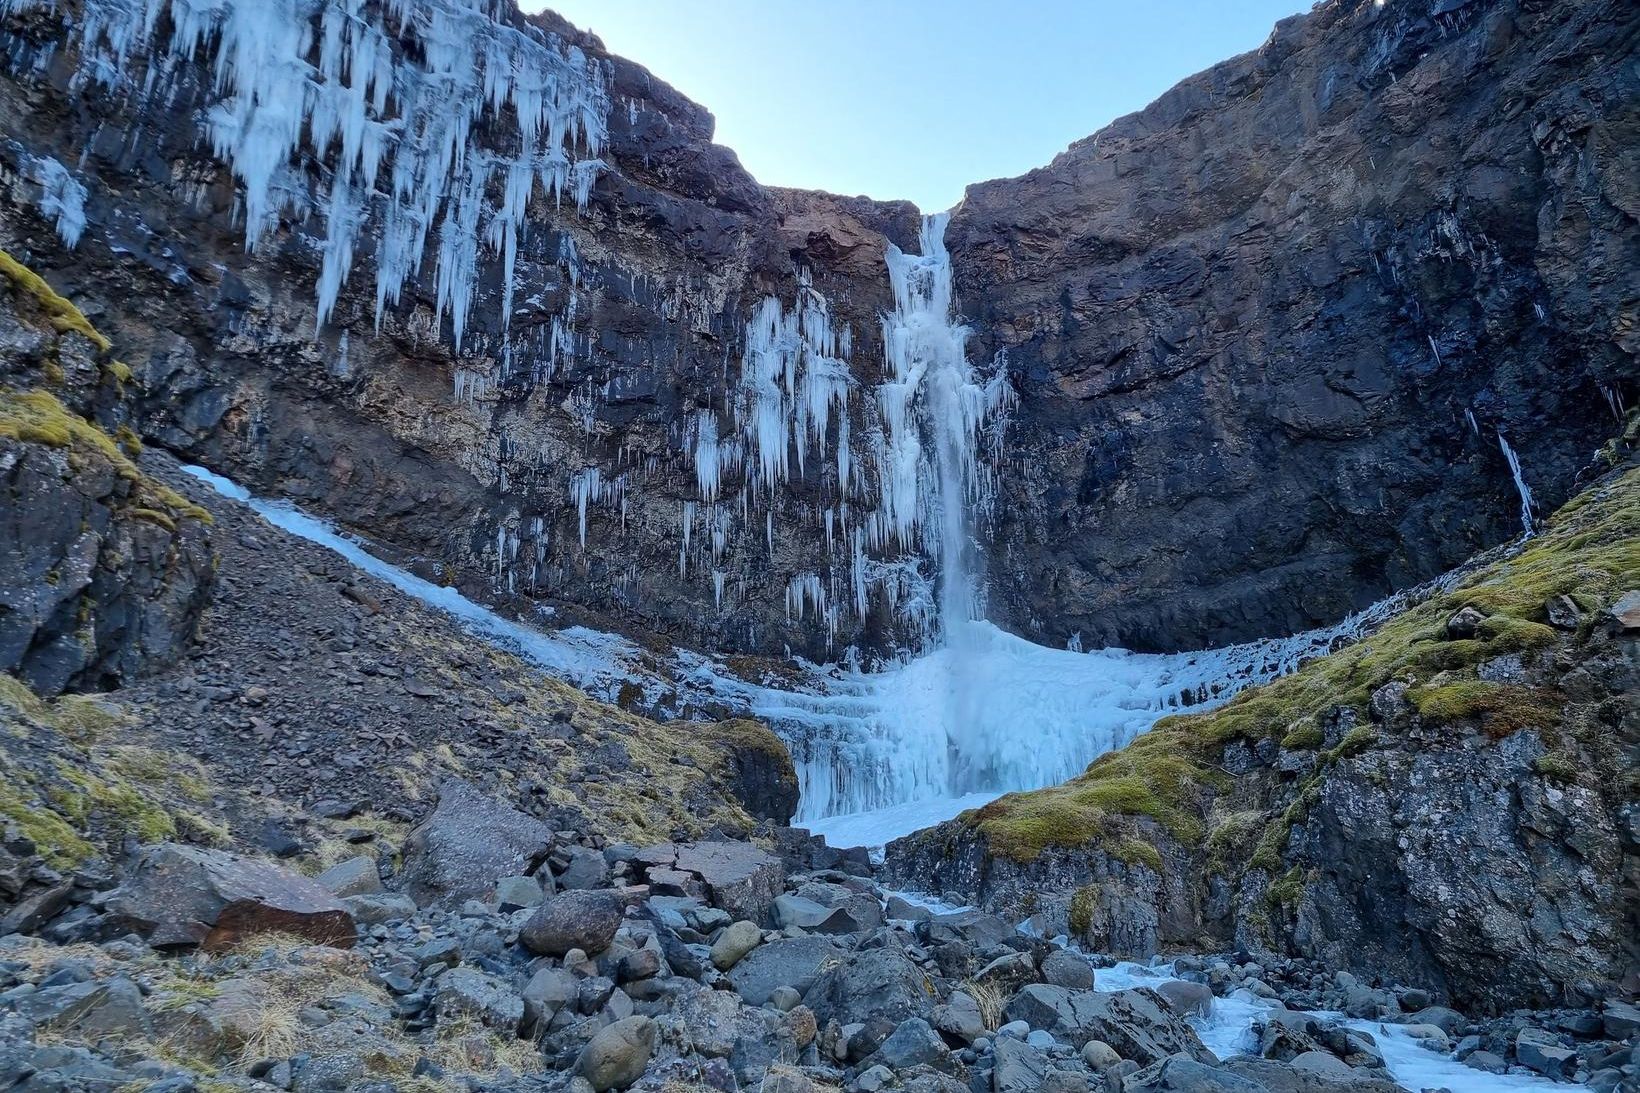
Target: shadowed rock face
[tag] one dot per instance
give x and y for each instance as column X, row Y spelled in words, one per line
column 1245, row 325
column 1246, row 322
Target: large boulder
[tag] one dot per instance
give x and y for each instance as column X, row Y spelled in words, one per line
column 573, row 920
column 741, row 878
column 875, row 983
column 1137, row 1023
column 788, row 962
column 467, row 844
column 179, row 895
column 468, row 992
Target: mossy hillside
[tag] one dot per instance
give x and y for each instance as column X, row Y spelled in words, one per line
column 71, row 781
column 1589, row 552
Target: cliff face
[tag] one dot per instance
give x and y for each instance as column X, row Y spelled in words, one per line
column 492, row 298
column 552, row 455
column 1268, row 332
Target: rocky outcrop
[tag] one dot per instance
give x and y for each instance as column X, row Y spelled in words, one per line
column 104, row 573
column 549, row 458
column 1267, row 332
column 1446, row 803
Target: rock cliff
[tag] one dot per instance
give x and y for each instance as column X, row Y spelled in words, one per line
column 1271, row 332
column 518, row 330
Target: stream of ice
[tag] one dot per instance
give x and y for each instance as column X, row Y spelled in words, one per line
column 1228, row 1030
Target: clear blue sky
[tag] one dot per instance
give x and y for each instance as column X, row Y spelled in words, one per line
column 917, row 98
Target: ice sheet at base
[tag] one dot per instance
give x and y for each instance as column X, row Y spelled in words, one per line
column 879, row 828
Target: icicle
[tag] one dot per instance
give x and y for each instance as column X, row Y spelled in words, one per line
column 1528, row 521
column 363, row 101
column 62, row 198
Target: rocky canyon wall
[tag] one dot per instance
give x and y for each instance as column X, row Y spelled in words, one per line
column 540, row 359
column 1267, row 333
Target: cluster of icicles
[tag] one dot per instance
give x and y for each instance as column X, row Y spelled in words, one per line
column 395, row 131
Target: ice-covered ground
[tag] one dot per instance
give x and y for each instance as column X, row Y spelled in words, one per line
column 1227, row 1031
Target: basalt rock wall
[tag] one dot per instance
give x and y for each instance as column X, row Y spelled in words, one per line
column 1267, row 333
column 1245, row 325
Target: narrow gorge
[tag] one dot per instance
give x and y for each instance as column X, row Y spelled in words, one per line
column 494, row 597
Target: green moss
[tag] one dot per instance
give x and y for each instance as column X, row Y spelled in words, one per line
column 1355, row 742
column 1083, row 902
column 113, row 803
column 63, row 316
column 153, row 516
column 1556, row 765
column 1287, row 891
column 1231, row 838
column 1133, row 851
column 1304, row 736
column 56, row 839
column 1501, row 708
column 128, row 440
column 1138, row 781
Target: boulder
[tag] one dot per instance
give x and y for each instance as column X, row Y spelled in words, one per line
column 373, row 910
column 813, row 917
column 468, row 992
column 959, row 1016
column 467, row 844
column 1544, row 1053
column 1099, row 1056
column 583, row 867
column 90, row 1010
column 353, row 877
column 732, row 945
column 1186, row 998
column 787, row 962
column 616, row 1056
column 573, row 920
column 1183, row 1074
column 913, row 1043
column 740, row 878
column 1063, row 968
column 1136, row 1023
column 547, row 992
column 517, row 893
column 191, row 893
column 874, row 983
column 1020, row 1068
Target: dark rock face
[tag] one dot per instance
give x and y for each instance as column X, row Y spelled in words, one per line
column 630, row 318
column 71, row 550
column 1222, row 314
column 1247, row 323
